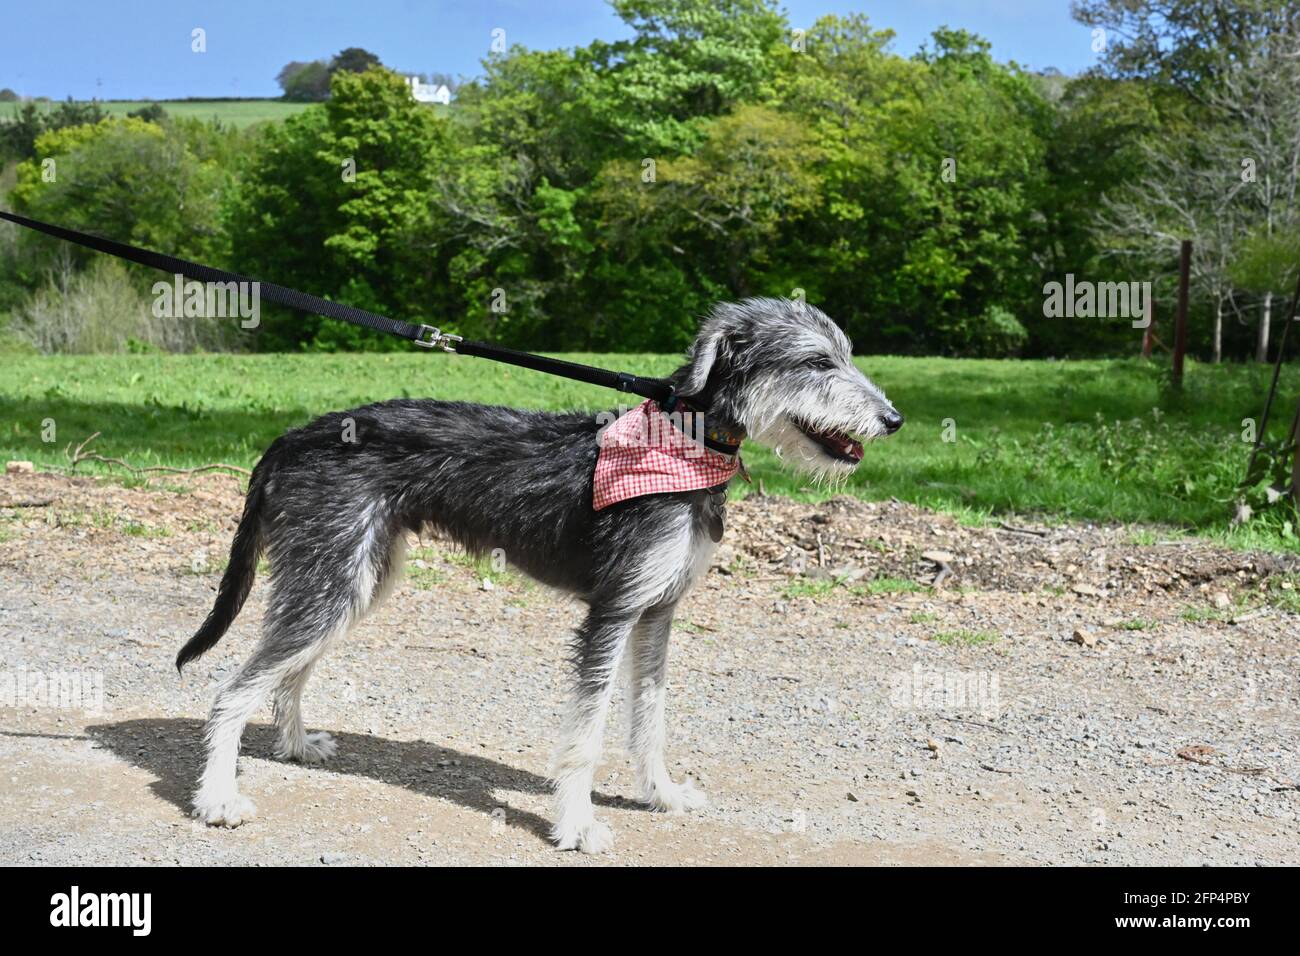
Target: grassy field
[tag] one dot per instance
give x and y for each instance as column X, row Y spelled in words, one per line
column 1082, row 440
column 238, row 113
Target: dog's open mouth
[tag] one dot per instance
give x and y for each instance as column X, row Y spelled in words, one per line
column 839, row 445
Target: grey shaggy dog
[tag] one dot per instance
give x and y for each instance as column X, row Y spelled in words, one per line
column 332, row 516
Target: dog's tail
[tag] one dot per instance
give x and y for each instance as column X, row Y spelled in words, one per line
column 238, row 579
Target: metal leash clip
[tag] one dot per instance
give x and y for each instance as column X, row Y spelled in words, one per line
column 431, row 338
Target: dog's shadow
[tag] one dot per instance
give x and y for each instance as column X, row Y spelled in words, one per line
column 172, row 750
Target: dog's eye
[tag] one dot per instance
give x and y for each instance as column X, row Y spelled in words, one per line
column 822, row 364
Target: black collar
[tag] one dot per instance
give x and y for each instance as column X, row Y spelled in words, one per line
column 694, row 424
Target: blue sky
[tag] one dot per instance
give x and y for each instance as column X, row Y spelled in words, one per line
column 137, row 49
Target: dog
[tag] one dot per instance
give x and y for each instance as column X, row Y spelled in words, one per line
column 332, row 516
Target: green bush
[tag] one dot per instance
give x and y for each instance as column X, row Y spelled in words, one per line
column 993, row 333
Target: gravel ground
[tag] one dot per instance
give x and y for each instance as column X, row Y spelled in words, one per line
column 1059, row 695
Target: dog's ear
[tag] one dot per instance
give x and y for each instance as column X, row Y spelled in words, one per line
column 706, row 351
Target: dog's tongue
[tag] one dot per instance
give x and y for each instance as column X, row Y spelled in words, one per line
column 850, row 447
column 843, row 444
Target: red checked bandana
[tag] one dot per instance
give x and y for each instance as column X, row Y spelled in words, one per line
column 644, row 453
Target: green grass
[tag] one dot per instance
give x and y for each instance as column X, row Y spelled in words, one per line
column 1137, row 624
column 1199, row 615
column 965, row 638
column 1281, row 591
column 424, row 575
column 425, row 571
column 889, row 586
column 1063, row 440
column 485, row 567
column 238, row 113
column 137, row 530
column 1284, row 592
column 104, row 520
column 814, row 588
column 817, row 587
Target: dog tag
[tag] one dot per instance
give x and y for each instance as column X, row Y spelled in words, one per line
column 715, row 515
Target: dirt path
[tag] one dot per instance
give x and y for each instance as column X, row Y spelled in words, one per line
column 832, row 717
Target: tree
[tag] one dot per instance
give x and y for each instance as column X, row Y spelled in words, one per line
column 18, row 136
column 1259, row 99
column 8, row 96
column 73, row 113
column 1096, row 143
column 928, row 191
column 689, row 61
column 1226, row 167
column 754, row 174
column 1229, row 185
column 153, row 113
column 1185, row 44
column 291, row 69
column 305, row 82
column 309, row 82
column 509, row 201
column 1181, row 194
column 335, row 200
column 353, row 60
column 1266, row 263
column 127, row 179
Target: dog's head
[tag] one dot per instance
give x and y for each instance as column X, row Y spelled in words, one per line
column 784, row 372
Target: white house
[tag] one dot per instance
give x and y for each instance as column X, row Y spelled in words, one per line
column 427, row 92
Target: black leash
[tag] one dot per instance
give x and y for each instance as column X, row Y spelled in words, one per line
column 425, row 336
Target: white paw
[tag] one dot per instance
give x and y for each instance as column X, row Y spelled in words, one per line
column 224, row 812
column 591, row 837
column 676, row 797
column 320, row 747
column 313, row 748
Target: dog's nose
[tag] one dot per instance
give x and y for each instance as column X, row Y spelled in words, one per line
column 893, row 421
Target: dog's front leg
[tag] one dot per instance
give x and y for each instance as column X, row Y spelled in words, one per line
column 647, row 693
column 600, row 644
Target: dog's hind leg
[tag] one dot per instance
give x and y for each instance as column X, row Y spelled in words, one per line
column 293, row 742
column 385, row 559
column 313, row 600
column 218, row 800
column 600, row 643
column 647, row 692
